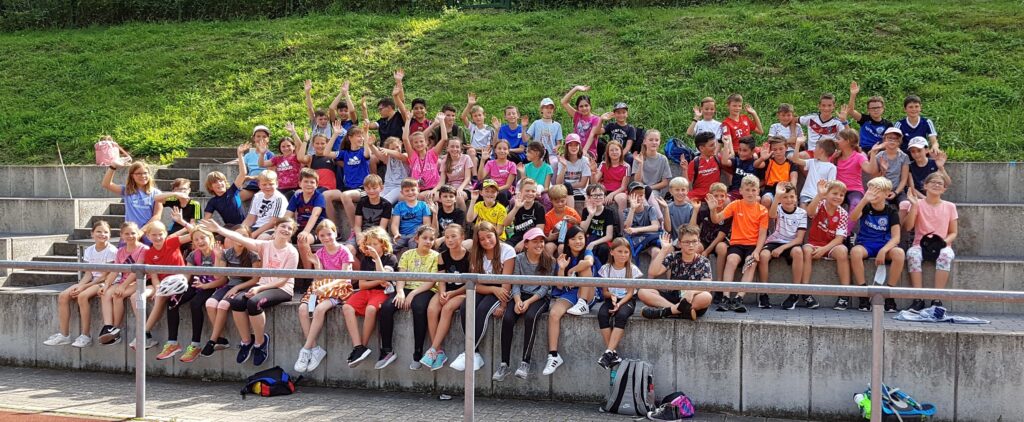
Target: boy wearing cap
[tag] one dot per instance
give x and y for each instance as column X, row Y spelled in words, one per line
column 489, row 210
column 872, row 125
column 893, row 163
column 921, row 165
column 618, row 130
column 915, row 124
column 260, row 138
column 546, row 131
column 640, row 222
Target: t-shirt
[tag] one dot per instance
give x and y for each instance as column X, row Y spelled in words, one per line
column 708, row 171
column 138, row 207
column 266, row 208
column 713, row 126
column 196, row 258
column 575, row 171
column 825, row 227
column 548, row 134
column 457, row 216
column 538, row 174
column 816, row 128
column 514, row 138
column 849, row 171
column 924, row 128
column 611, row 176
column 494, row 215
column 655, row 169
column 356, row 167
column 391, row 127
column 327, row 169
column 499, row 172
column 234, row 260
column 583, row 125
column 599, row 223
column 895, row 169
column 395, row 173
column 286, row 258
column 366, row 264
column 338, row 137
column 737, row 129
column 679, row 215
column 191, row 212
column 642, row 218
column 775, row 172
column 457, row 175
column 480, row 137
column 816, row 170
column 787, row 224
column 918, row 173
column 228, row 205
column 551, row 219
column 418, row 125
column 525, row 219
column 698, row 269
column 424, row 168
column 252, row 162
column 871, row 132
column 411, row 216
column 505, row 253
column 125, row 257
column 106, row 255
column 287, row 169
column 623, row 134
column 609, row 271
column 334, row 261
column 451, row 265
column 876, row 225
column 170, row 255
column 303, row 209
column 523, row 266
column 454, row 132
column 413, row 262
column 777, row 129
column 747, row 220
column 741, row 169
column 709, row 230
column 933, row 219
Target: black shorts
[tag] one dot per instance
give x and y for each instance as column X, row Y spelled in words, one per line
column 676, row 296
column 742, row 250
column 787, row 254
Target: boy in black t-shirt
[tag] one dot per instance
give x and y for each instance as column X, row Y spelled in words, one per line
column 714, row 238
column 600, row 223
column 619, row 130
column 446, row 213
column 371, row 210
column 525, row 215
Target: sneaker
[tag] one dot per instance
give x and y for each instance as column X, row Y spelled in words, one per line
column 724, row 305
column 459, row 364
column 428, row 358
column 738, row 306
column 790, row 303
column 524, row 370
column 655, row 313
column 553, row 363
column 58, row 340
column 191, row 353
column 842, row 303
column 359, row 353
column 502, row 372
column 917, row 305
column 169, row 350
column 385, row 360
column 222, row 344
column 208, row 349
column 936, row 302
column 616, row 359
column 439, row 360
column 315, row 357
column 811, row 302
column 415, row 365
column 763, row 302
column 109, row 334
column 260, row 353
column 82, row 341
column 863, row 304
column 302, row 363
column 478, row 361
column 150, row 342
column 665, row 412
column 716, row 298
column 606, row 360
column 244, row 351
column 890, row 305
column 580, row 308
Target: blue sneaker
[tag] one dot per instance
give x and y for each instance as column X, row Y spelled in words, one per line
column 259, row 354
column 439, row 361
column 428, row 358
column 244, row 351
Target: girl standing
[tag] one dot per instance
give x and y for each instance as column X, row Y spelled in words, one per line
column 139, row 193
column 851, row 164
column 286, row 165
column 423, row 160
column 583, row 121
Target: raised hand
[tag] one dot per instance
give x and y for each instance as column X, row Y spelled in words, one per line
column 209, row 224
column 822, row 184
column 495, row 122
column 439, row 117
column 666, row 240
column 244, row 148
column 638, row 158
column 563, row 261
column 521, row 168
column 336, row 126
column 940, row 158
column 290, row 127
column 883, row 164
column 607, row 115
column 471, row 98
column 474, row 195
column 582, row 88
column 750, row 109
column 344, row 87
column 524, row 121
column 399, row 75
column 872, row 194
column 307, row 86
column 696, row 112
column 780, row 188
column 712, row 202
column 854, row 88
column 306, row 134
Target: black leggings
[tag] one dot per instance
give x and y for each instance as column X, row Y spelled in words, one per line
column 174, row 313
column 619, row 318
column 386, row 319
column 256, row 304
column 485, row 307
column 508, row 323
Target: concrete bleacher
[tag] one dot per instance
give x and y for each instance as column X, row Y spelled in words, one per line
column 799, row 363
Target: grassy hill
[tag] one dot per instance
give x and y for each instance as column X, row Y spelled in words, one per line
column 159, row 88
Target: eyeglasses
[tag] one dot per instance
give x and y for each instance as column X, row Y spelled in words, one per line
column 597, row 195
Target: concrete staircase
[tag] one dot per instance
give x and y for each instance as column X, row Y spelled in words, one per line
column 188, row 167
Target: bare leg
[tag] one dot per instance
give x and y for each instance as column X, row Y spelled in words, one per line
column 369, row 323
column 351, row 324
column 857, row 256
column 64, row 312
column 85, row 308
column 445, row 322
column 317, row 324
column 304, row 318
column 896, row 266
column 159, row 306
column 242, row 325
column 615, row 338
column 842, row 257
column 798, row 264
column 558, row 309
column 259, row 325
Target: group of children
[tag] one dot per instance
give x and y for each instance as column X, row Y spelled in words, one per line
column 502, row 198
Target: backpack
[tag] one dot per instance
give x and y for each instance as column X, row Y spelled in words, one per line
column 673, row 407
column 631, row 390
column 269, row 383
column 694, row 168
column 675, row 147
column 897, row 406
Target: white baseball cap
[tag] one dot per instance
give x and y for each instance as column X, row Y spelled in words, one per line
column 917, row 142
column 259, row 128
column 547, row 102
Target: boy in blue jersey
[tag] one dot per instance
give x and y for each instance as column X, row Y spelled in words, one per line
column 872, row 125
column 879, row 237
column 915, row 125
column 512, row 132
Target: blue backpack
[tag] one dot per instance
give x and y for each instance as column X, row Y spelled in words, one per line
column 675, row 147
column 270, row 382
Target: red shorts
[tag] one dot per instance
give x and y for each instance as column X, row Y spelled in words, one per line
column 363, row 298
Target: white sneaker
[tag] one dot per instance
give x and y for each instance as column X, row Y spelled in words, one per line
column 580, row 308
column 385, row 361
column 302, row 364
column 553, row 363
column 82, row 341
column 315, row 357
column 459, row 364
column 523, row 371
column 478, row 361
column 58, row 340
column 415, row 365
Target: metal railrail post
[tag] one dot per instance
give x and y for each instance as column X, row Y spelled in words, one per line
column 468, row 412
column 140, row 344
column 877, row 341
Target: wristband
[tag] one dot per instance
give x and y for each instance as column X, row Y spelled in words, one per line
column 113, row 168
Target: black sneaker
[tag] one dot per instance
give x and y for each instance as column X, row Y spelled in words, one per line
column 606, row 360
column 359, row 353
column 109, row 334
column 763, row 302
column 724, row 305
column 665, row 412
column 890, row 305
column 655, row 313
column 737, row 305
column 842, row 303
column 222, row 344
column 917, row 305
column 260, row 353
column 790, row 303
column 244, row 351
column 716, row 298
column 811, row 302
column 863, row 304
column 685, row 309
column 208, row 349
column 616, row 360
column 936, row 302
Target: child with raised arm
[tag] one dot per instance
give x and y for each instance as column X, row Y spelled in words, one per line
column 120, row 286
column 423, row 160
column 640, row 223
column 704, row 119
column 531, row 301
column 91, row 285
column 547, row 131
column 776, row 167
column 576, row 261
column 879, row 237
column 323, row 295
column 454, row 259
column 501, row 170
column 454, row 130
column 179, row 200
column 286, row 165
column 375, row 255
column 785, row 240
column 391, row 120
column 322, row 160
column 818, row 168
column 480, row 134
column 706, row 168
column 742, row 164
column 613, row 174
column 599, row 223
column 164, row 250
column 749, row 231
column 512, row 132
column 457, row 171
column 407, row 215
column 489, row 210
column 267, row 207
column 573, row 169
column 914, row 125
column 920, row 168
column 619, row 302
column 892, row 163
column 259, row 139
column 226, row 200
column 412, row 295
column 872, row 125
column 936, row 225
column 342, row 115
column 788, row 128
column 203, row 287
column 307, row 209
column 851, row 164
column 685, row 264
column 143, row 202
column 355, row 158
column 584, row 122
column 396, row 171
column 828, row 230
column 823, row 124
column 526, row 214
column 319, row 120
column 218, row 306
column 738, row 126
column 618, row 130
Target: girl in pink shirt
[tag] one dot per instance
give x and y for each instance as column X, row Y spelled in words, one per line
column 851, row 164
column 613, row 174
column 501, row 170
column 286, row 165
column 423, row 161
column 931, row 216
column 583, row 121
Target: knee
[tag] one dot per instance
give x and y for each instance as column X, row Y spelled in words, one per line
column 858, row 253
column 798, row 253
column 840, row 252
column 732, row 259
column 211, row 303
column 897, row 254
column 253, row 309
column 223, row 305
column 701, row 300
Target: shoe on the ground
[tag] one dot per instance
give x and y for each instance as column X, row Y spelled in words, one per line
column 459, row 364
column 842, row 303
column 790, row 303
column 890, row 305
column 936, row 302
column 716, row 298
column 359, row 353
column 302, row 363
column 502, row 372
column 191, row 353
column 478, row 361
column 208, row 349
column 738, row 306
column 58, row 340
column 655, row 313
column 260, row 353
column 439, row 361
column 244, row 352
column 580, row 308
column 428, row 358
column 222, row 344
column 605, row 361
column 763, row 302
column 524, row 370
column 169, row 350
column 724, row 305
column 666, row 413
column 82, row 341
column 863, row 304
column 553, row 363
column 109, row 334
column 385, row 360
column 917, row 305
column 316, row 356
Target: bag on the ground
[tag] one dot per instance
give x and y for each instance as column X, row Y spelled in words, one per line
column 631, row 391
column 269, row 383
column 897, row 406
column 677, row 405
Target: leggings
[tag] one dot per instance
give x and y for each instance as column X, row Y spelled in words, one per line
column 508, row 322
column 174, row 312
column 197, row 300
column 619, row 318
column 944, row 262
column 386, row 319
column 485, row 306
column 262, row 300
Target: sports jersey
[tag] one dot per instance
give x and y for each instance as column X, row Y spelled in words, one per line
column 747, row 220
column 817, row 128
column 787, row 224
column 825, row 227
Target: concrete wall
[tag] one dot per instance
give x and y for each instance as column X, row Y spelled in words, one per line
column 24, row 248
column 49, row 216
column 48, row 181
column 788, row 368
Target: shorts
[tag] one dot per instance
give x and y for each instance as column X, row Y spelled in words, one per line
column 406, row 241
column 676, row 296
column 643, row 241
column 787, row 254
column 571, row 295
column 364, row 298
column 742, row 250
column 830, row 251
column 872, row 248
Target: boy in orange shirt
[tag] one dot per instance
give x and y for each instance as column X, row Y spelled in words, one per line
column 558, row 194
column 749, row 230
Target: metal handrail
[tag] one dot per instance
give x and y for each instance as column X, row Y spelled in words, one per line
column 876, row 293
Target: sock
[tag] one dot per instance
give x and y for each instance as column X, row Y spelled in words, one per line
column 553, row 354
column 172, row 341
column 195, row 344
column 608, row 350
column 149, row 335
column 307, row 349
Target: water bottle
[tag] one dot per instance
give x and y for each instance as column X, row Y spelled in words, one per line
column 562, row 229
column 311, row 305
column 864, row 402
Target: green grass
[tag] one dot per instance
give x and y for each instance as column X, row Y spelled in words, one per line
column 159, row 88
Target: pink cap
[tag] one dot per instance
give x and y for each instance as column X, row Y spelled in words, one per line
column 572, row 138
column 533, row 233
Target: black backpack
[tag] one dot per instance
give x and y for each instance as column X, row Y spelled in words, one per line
column 269, row 383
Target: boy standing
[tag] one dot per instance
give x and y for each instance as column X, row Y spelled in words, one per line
column 822, row 125
column 704, row 120
column 826, row 235
column 618, row 130
column 749, row 230
column 454, row 131
column 409, row 214
column 686, row 264
column 892, row 163
column 680, row 210
column 788, row 128
column 512, row 132
column 879, row 237
column 546, row 131
column 915, row 124
column 737, row 125
column 872, row 125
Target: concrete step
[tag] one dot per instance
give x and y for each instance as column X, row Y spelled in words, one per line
column 995, row 230
column 29, row 278
column 87, row 242
column 115, row 221
column 116, row 209
column 25, row 247
column 65, row 249
column 212, row 152
column 84, row 233
column 35, row 216
column 165, row 185
column 192, row 163
column 174, row 173
column 56, row 258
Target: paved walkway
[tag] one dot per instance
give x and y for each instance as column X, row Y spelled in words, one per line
column 112, row 396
